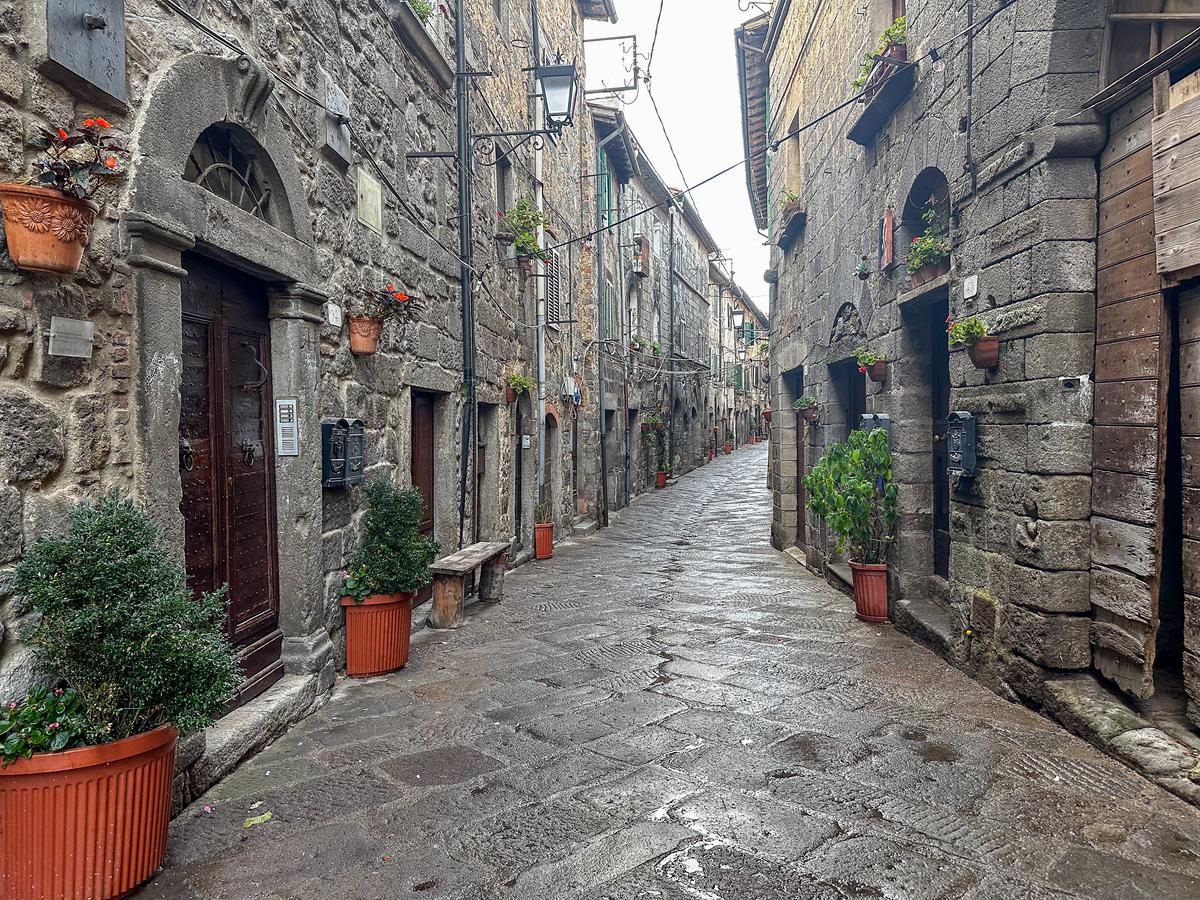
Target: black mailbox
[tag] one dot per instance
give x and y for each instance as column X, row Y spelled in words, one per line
column 335, row 438
column 354, row 453
column 960, row 444
column 871, row 421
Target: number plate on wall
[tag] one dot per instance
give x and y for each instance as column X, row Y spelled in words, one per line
column 86, row 38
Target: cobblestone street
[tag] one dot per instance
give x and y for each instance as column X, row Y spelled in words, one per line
column 672, row 709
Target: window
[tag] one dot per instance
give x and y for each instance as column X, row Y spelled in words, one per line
column 794, row 163
column 608, row 312
column 503, row 182
column 554, row 288
column 224, row 162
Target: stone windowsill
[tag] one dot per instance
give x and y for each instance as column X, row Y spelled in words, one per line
column 888, row 98
column 928, row 289
column 416, row 37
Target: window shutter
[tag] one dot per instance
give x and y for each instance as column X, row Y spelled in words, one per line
column 554, row 288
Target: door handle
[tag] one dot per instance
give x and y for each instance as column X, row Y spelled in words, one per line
column 187, row 455
column 249, row 452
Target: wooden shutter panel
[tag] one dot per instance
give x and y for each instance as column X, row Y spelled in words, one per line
column 554, row 288
column 1176, row 136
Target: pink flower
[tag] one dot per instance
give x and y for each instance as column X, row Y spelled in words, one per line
column 208, row 810
column 12, row 706
column 58, row 692
column 52, row 726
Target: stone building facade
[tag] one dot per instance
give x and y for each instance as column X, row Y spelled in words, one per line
column 278, row 169
column 1062, row 572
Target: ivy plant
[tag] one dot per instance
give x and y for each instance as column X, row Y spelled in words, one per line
column 393, row 557
column 852, row 490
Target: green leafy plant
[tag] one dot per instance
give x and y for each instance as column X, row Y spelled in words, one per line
column 422, row 9
column 933, row 246
column 656, row 348
column 523, row 222
column 542, row 512
column 895, row 35
column 851, row 489
column 808, row 401
column 393, row 557
column 520, row 383
column 642, row 343
column 965, row 333
column 385, row 304
column 790, row 197
column 120, row 626
column 46, row 721
column 863, row 269
column 866, row 358
column 78, row 162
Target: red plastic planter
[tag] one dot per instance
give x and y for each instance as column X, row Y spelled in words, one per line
column 870, row 591
column 87, row 823
column 660, row 479
column 543, row 540
column 877, row 372
column 378, row 632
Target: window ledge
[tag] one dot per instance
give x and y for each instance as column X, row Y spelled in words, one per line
column 415, row 36
column 929, row 288
column 791, row 226
column 891, row 94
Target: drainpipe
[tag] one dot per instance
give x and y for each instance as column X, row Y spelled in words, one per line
column 465, row 245
column 539, row 199
column 626, row 337
column 671, row 345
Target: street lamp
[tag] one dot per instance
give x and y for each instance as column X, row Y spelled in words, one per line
column 559, row 88
column 739, row 318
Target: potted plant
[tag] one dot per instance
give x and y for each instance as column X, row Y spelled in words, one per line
column 516, row 386
column 656, row 348
column 369, row 310
column 851, row 489
column 422, row 9
column 792, row 205
column 728, row 443
column 48, row 219
column 971, row 332
column 525, row 223
column 862, row 271
column 543, row 531
column 131, row 659
column 929, row 253
column 390, row 565
column 639, row 344
column 871, row 364
column 766, row 414
column 807, row 407
column 874, row 70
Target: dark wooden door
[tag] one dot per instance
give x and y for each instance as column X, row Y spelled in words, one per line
column 422, row 464
column 939, row 396
column 227, row 461
column 801, row 494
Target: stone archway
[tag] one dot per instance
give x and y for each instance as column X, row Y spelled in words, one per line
column 166, row 216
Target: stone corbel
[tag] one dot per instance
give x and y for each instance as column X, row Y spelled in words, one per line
column 1068, row 136
column 153, row 243
column 297, row 301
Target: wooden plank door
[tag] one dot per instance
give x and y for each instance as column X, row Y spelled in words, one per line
column 939, row 396
column 227, row 462
column 423, row 464
column 1188, row 465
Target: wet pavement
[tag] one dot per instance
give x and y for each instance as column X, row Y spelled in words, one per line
column 671, row 709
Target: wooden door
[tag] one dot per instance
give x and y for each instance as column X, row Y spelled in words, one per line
column 939, row 396
column 227, row 461
column 422, row 464
column 801, row 493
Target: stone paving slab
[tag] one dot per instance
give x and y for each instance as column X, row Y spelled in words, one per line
column 671, row 709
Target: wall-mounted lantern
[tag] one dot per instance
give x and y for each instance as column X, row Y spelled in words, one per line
column 560, row 86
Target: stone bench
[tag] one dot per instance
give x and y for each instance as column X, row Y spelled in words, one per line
column 450, row 578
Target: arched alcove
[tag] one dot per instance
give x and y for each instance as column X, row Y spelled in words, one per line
column 930, row 191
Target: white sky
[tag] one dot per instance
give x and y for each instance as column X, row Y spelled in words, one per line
column 695, row 81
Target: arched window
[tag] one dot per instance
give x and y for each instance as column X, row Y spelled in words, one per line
column 224, row 161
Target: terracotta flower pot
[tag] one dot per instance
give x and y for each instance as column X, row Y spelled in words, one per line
column 877, row 372
column 809, row 414
column 927, row 273
column 728, row 447
column 378, row 631
column 870, row 591
column 645, row 427
column 526, row 264
column 985, row 352
column 543, row 540
column 47, row 230
column 364, row 334
column 660, row 479
column 510, row 395
column 766, row 414
column 87, row 823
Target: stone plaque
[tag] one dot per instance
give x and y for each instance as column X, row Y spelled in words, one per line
column 337, row 135
column 86, row 39
column 370, row 201
column 71, row 337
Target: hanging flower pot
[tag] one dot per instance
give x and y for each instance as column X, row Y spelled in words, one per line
column 766, row 414
column 364, row 334
column 90, row 822
column 510, row 395
column 645, row 427
column 985, row 352
column 877, row 372
column 660, row 479
column 47, row 231
column 378, row 631
column 543, row 540
column 870, row 591
column 809, row 414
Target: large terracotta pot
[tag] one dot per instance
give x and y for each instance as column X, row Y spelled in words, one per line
column 728, row 448
column 378, row 632
column 985, row 352
column 87, row 823
column 47, row 231
column 510, row 395
column 877, row 372
column 926, row 274
column 766, row 414
column 870, row 591
column 660, row 479
column 543, row 540
column 809, row 414
column 364, row 334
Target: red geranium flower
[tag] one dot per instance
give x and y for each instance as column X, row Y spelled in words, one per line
column 862, row 369
column 89, row 123
column 103, row 123
column 62, row 135
column 111, row 162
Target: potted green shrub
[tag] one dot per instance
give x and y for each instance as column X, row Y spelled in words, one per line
column 929, row 253
column 524, row 222
column 879, row 63
column 656, row 348
column 871, row 364
column 543, row 531
column 131, row 659
column 48, row 219
column 390, row 565
column 852, row 490
column 517, row 385
column 972, row 333
column 807, row 407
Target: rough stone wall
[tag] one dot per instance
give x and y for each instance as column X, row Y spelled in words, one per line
column 1023, row 220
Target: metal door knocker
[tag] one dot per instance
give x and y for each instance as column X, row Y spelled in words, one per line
column 249, row 452
column 187, row 455
column 257, row 384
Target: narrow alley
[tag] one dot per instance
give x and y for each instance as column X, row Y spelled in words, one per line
column 672, row 712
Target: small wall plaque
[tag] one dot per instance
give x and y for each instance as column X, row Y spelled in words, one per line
column 333, row 315
column 970, row 287
column 370, row 201
column 337, row 135
column 287, row 426
column 71, row 337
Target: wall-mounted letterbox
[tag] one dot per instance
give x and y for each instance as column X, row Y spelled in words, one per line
column 960, row 444
column 871, row 421
column 341, row 452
